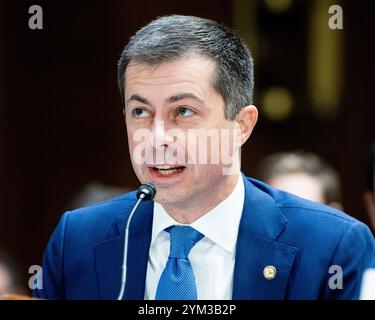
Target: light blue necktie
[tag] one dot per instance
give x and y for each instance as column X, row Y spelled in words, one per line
column 177, row 282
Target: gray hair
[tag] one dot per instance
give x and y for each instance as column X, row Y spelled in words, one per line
column 281, row 163
column 172, row 37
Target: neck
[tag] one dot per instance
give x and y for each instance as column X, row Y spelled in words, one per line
column 188, row 213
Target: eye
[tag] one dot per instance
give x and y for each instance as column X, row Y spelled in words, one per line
column 184, row 111
column 140, row 113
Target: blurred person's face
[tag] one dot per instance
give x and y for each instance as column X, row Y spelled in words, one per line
column 178, row 97
column 5, row 280
column 300, row 184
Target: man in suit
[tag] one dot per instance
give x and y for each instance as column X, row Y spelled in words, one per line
column 211, row 232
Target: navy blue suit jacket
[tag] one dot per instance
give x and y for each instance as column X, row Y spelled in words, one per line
column 301, row 239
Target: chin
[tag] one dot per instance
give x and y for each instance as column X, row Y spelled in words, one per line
column 164, row 197
column 168, row 196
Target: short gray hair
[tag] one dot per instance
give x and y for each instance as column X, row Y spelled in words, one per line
column 281, row 163
column 172, row 37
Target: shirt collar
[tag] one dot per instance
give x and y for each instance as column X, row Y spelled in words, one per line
column 219, row 225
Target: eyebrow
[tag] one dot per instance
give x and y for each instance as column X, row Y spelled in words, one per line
column 138, row 98
column 175, row 98
column 182, row 96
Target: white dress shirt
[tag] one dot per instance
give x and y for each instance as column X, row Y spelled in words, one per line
column 212, row 258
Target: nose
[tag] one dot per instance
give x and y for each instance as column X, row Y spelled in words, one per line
column 159, row 135
column 165, row 144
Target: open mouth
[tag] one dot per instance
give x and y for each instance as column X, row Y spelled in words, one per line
column 166, row 171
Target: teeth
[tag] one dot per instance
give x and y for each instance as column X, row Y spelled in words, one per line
column 163, row 167
column 168, row 171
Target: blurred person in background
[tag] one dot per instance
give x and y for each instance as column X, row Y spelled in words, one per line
column 369, row 194
column 368, row 280
column 10, row 282
column 95, row 192
column 303, row 174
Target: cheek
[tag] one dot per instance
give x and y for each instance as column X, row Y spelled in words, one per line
column 136, row 136
column 206, row 174
column 131, row 143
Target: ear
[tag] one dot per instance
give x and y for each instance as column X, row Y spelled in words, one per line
column 246, row 120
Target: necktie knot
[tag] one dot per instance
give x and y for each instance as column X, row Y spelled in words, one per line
column 182, row 240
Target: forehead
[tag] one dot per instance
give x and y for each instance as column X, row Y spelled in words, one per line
column 192, row 71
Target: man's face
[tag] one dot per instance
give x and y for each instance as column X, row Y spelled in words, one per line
column 168, row 101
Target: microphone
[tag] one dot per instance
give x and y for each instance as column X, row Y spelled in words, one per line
column 145, row 192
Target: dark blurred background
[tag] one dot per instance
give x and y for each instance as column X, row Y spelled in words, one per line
column 61, row 124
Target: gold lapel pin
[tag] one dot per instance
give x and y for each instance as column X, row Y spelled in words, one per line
column 269, row 272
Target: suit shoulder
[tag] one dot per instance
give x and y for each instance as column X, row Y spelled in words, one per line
column 316, row 228
column 302, row 210
column 105, row 207
column 101, row 217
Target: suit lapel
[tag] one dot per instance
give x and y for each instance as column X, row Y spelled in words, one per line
column 257, row 247
column 108, row 261
column 109, row 256
column 138, row 250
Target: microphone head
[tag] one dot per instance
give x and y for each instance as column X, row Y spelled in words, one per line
column 146, row 191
